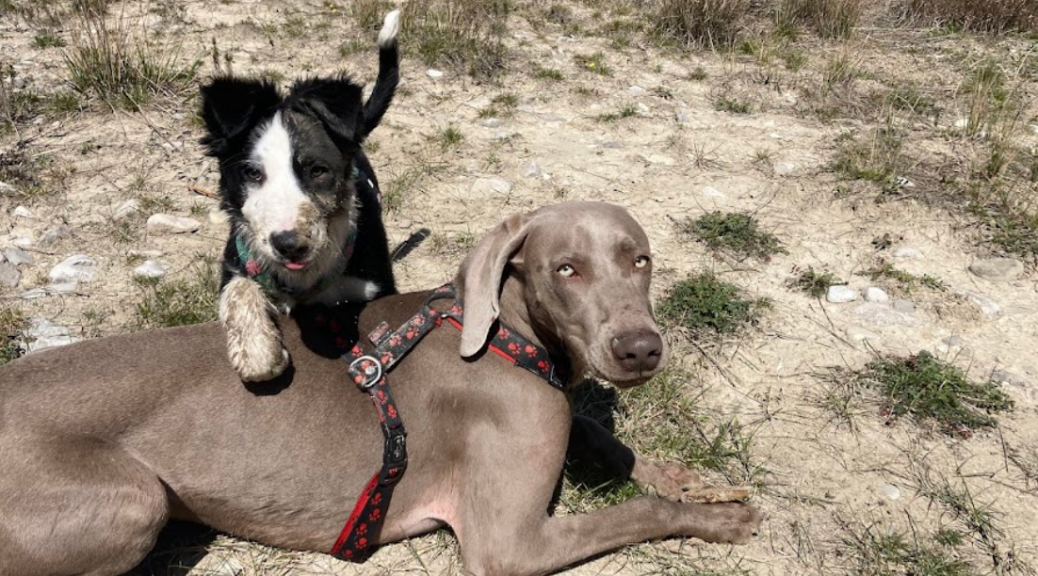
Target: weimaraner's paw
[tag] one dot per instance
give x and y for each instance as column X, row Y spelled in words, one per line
column 677, row 483
column 730, row 523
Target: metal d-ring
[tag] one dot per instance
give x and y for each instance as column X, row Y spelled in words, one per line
column 375, row 370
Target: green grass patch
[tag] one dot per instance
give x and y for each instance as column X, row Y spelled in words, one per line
column 181, row 302
column 880, row 159
column 12, row 324
column 705, row 306
column 899, row 280
column 928, row 389
column 813, row 282
column 879, row 551
column 550, row 74
column 48, row 40
column 628, row 111
column 594, row 63
column 449, row 137
column 732, row 105
column 735, row 233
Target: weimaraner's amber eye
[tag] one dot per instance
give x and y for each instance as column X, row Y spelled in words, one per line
column 641, row 262
column 566, row 271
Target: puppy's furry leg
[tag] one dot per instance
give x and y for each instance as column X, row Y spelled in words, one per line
column 253, row 340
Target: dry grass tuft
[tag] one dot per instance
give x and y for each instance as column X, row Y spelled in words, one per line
column 994, row 16
column 713, row 24
column 460, row 34
column 829, row 18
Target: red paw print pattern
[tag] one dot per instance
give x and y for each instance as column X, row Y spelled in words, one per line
column 375, row 515
column 531, row 351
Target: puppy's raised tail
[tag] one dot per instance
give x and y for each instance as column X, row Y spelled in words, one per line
column 388, row 73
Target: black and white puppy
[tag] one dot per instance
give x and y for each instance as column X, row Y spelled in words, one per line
column 303, row 201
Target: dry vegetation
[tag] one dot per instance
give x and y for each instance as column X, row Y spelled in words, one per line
column 771, row 148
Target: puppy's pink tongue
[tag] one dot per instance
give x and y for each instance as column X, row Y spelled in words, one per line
column 294, row 265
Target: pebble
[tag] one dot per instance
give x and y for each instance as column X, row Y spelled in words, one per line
column 643, row 108
column 859, row 334
column 878, row 314
column 22, row 212
column 434, row 73
column 17, row 256
column 502, row 135
column 127, row 209
column 783, row 168
column 989, row 307
column 9, row 275
column 636, row 91
column 841, row 294
column 889, row 491
column 78, row 268
column 54, row 234
column 45, row 334
column 875, row 294
column 493, row 123
column 531, row 169
column 711, row 192
column 954, row 341
column 682, row 118
column 904, row 306
column 491, row 186
column 168, row 224
column 150, row 269
column 658, row 159
column 610, row 145
column 21, row 241
column 1007, row 377
column 906, row 253
column 998, row 269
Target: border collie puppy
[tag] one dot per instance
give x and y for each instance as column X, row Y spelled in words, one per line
column 303, row 200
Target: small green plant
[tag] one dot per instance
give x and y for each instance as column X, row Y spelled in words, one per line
column 903, row 281
column 294, row 27
column 12, row 324
column 732, row 105
column 550, row 74
column 925, row 388
column 736, row 233
column 794, row 60
column 883, row 552
column 48, row 40
column 880, row 159
column 813, row 282
column 181, row 302
column 910, row 99
column 594, row 63
column 698, row 74
column 704, row 305
column 449, row 137
column 628, row 111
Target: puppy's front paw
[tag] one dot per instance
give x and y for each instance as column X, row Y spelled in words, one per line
column 259, row 358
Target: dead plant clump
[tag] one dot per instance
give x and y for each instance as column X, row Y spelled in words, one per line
column 702, row 23
column 460, row 34
column 994, row 16
column 828, row 18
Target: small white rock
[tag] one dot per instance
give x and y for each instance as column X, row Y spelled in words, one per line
column 682, row 118
column 78, row 268
column 150, row 269
column 989, row 307
column 9, row 275
column 783, row 168
column 54, row 234
column 531, row 169
column 904, row 306
column 636, row 91
column 491, row 186
column 859, row 334
column 877, row 314
column 906, row 253
column 1006, row 377
column 127, row 209
column 17, row 256
column 21, row 241
column 62, row 288
column 841, row 294
column 21, row 212
column 889, row 491
column 998, row 269
column 875, row 294
column 45, row 334
column 711, row 192
column 168, row 224
column 433, row 73
column 492, row 123
column 502, row 135
column 643, row 108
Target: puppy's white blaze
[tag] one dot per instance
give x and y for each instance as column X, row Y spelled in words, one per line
column 390, row 28
column 273, row 205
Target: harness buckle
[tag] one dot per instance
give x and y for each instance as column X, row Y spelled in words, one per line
column 394, row 455
column 371, row 374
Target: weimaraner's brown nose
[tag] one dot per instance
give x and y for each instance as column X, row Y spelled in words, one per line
column 639, row 352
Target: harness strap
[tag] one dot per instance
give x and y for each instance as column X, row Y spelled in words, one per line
column 369, row 373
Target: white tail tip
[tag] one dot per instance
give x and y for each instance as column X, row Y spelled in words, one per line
column 390, row 28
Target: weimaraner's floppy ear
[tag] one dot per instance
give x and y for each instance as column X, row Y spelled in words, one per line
column 483, row 273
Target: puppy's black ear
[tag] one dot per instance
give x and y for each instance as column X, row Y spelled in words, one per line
column 336, row 102
column 230, row 107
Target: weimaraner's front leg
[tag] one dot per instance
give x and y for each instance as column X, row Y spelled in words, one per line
column 666, row 479
column 508, row 545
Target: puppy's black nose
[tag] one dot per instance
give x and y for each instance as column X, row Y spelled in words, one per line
column 289, row 245
column 639, row 352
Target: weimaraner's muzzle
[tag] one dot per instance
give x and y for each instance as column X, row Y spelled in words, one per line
column 104, row 441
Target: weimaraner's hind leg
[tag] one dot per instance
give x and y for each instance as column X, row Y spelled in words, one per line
column 75, row 509
column 546, row 544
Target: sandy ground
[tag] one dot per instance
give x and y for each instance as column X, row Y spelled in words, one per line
column 823, row 476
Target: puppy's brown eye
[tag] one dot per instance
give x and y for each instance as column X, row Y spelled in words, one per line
column 566, row 271
column 641, row 262
column 252, row 173
column 316, row 171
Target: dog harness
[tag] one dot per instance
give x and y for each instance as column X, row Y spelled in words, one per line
column 366, row 190
column 368, row 371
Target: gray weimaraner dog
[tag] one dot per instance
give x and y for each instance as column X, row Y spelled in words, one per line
column 104, row 441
